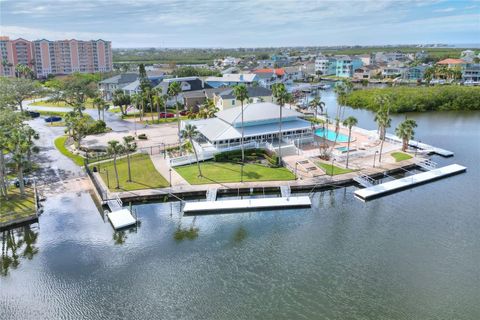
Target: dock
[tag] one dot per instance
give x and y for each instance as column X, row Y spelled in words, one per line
column 422, row 146
column 379, row 190
column 119, row 217
column 247, row 204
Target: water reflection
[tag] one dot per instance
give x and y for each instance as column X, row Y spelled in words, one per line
column 17, row 244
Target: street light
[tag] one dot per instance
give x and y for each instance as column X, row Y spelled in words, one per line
column 331, row 172
column 416, row 149
column 170, row 174
column 296, row 164
column 108, row 180
column 374, row 157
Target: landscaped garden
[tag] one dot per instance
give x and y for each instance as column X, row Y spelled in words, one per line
column 332, row 170
column 400, row 156
column 17, row 207
column 60, row 145
column 144, row 174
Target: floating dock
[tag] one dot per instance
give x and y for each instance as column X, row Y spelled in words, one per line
column 247, row 204
column 121, row 219
column 422, row 146
column 407, row 182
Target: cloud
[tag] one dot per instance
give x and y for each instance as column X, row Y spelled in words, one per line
column 450, row 9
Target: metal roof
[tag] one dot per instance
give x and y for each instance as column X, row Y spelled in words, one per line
column 255, row 113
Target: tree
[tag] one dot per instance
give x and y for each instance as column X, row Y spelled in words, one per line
column 76, row 126
column 241, row 93
column 158, row 101
column 208, row 109
column 121, row 100
column 17, row 90
column 316, row 104
column 23, row 71
column 405, row 131
column 145, row 83
column 20, row 146
column 129, row 146
column 349, row 123
column 382, row 118
column 75, row 90
column 115, row 148
column 282, row 97
column 9, row 120
column 174, row 89
column 99, row 103
column 190, row 132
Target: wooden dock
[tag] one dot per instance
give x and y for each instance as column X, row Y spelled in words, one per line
column 380, row 190
column 422, row 146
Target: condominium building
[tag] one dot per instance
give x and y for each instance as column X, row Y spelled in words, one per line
column 68, row 56
column 14, row 52
column 340, row 66
column 55, row 57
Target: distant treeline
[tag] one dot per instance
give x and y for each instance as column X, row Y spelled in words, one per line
column 419, row 99
column 192, row 71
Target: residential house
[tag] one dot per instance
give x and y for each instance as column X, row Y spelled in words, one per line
column 345, row 66
column 226, row 99
column 452, row 63
column 268, row 77
column 227, row 80
column 471, row 73
column 325, row 66
column 414, row 73
column 367, row 72
column 468, row 56
column 186, row 84
column 108, row 86
column 295, row 73
column 365, row 58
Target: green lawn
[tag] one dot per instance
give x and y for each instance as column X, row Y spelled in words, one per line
column 144, row 174
column 46, row 103
column 214, row 172
column 16, row 206
column 333, row 170
column 60, row 145
column 400, row 156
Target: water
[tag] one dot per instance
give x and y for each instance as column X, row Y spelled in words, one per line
column 331, row 135
column 411, row 255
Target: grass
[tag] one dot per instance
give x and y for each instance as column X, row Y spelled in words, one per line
column 400, row 156
column 16, row 206
column 214, row 172
column 144, row 174
column 60, row 145
column 46, row 103
column 332, row 170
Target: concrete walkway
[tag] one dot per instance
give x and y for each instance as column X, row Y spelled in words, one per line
column 163, row 168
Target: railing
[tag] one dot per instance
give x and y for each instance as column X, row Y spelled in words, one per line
column 427, row 164
column 364, row 180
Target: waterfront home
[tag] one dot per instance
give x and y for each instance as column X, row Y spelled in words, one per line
column 261, row 124
column 294, row 73
column 325, row 65
column 268, row 77
column 468, row 55
column 225, row 99
column 393, row 72
column 452, row 63
column 367, row 72
column 192, row 100
column 128, row 82
column 228, row 80
column 345, row 66
column 365, row 58
column 471, row 73
column 414, row 73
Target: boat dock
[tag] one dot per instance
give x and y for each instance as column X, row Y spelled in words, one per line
column 422, row 146
column 213, row 205
column 382, row 189
column 119, row 217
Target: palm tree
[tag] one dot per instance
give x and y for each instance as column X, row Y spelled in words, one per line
column 316, row 103
column 282, row 97
column 241, row 93
column 405, row 131
column 174, row 89
column 19, row 146
column 190, row 132
column 129, row 146
column 349, row 123
column 382, row 118
column 99, row 103
column 114, row 148
column 158, row 101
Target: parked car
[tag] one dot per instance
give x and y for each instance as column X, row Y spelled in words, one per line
column 166, row 115
column 26, row 182
column 53, row 119
column 183, row 112
column 34, row 114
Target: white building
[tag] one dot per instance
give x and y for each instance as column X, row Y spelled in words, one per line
column 261, row 125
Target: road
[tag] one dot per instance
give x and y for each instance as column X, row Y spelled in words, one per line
column 111, row 119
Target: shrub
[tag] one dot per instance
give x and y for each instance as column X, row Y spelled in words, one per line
column 97, row 126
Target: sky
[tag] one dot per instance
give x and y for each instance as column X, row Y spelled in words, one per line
column 244, row 23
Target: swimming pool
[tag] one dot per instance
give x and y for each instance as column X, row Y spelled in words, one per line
column 330, row 135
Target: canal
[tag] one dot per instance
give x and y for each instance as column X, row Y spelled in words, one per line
column 411, row 255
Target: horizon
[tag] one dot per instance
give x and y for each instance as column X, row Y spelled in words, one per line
column 262, row 24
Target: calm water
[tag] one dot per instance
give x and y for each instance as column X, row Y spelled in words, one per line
column 411, row 255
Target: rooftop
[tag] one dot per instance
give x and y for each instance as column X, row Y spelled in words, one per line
column 451, row 61
column 278, row 71
column 255, row 113
column 234, row 77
